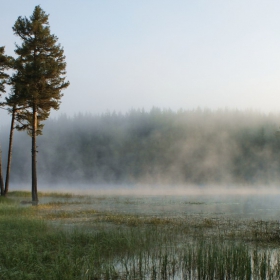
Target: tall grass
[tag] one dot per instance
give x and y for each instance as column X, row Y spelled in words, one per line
column 32, row 248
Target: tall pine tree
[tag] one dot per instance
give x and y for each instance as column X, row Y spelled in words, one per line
column 39, row 77
column 5, row 64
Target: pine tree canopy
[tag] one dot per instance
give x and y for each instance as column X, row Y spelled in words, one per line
column 40, row 69
column 4, row 65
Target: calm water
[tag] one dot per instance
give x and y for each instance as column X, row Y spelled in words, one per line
column 240, row 203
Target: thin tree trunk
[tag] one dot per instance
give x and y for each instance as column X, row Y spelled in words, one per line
column 34, row 152
column 10, row 152
column 1, row 175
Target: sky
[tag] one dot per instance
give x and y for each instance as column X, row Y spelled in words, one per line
column 179, row 54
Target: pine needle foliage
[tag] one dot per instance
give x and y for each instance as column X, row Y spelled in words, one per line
column 39, row 77
column 5, row 63
column 40, row 70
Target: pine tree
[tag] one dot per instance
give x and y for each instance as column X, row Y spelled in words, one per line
column 12, row 110
column 39, row 78
column 12, row 104
column 15, row 103
column 5, row 64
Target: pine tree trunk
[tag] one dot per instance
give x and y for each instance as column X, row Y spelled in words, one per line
column 34, row 155
column 1, row 175
column 10, row 153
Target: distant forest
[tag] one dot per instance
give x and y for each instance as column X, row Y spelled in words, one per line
column 159, row 146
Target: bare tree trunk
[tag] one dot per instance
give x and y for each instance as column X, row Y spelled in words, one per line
column 10, row 153
column 34, row 155
column 1, row 175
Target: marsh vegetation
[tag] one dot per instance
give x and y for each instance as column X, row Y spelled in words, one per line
column 138, row 237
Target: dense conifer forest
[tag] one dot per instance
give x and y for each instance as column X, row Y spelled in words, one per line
column 160, row 146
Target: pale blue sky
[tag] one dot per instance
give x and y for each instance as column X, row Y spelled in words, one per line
column 124, row 54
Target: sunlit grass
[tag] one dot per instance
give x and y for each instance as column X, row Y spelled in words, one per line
column 41, row 194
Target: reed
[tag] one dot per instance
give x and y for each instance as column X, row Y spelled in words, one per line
column 132, row 247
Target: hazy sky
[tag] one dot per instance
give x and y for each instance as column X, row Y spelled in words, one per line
column 124, row 54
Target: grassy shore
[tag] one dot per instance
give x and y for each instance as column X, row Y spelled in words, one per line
column 62, row 240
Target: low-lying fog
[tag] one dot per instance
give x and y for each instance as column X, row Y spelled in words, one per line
column 219, row 155
column 232, row 202
column 160, row 147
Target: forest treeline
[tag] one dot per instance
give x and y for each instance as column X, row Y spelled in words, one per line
column 159, row 146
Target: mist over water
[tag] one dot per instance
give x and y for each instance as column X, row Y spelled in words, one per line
column 211, row 202
column 161, row 149
column 199, row 176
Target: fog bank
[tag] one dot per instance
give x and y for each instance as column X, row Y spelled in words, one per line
column 159, row 147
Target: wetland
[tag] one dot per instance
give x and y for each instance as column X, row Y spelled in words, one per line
column 113, row 235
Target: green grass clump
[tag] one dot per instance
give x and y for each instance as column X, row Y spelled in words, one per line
column 30, row 250
column 5, row 200
column 19, row 193
column 41, row 194
column 132, row 220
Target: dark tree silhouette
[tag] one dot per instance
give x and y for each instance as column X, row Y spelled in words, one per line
column 5, row 64
column 39, row 78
